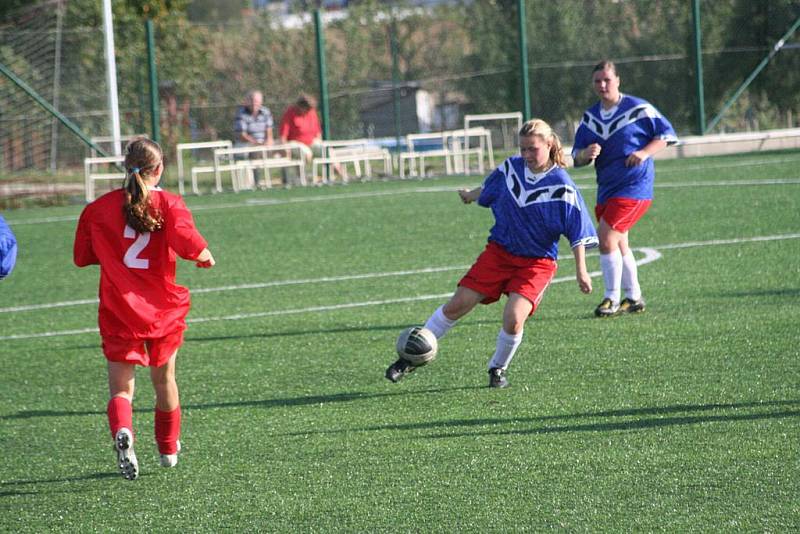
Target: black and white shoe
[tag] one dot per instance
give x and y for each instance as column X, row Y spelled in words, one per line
column 607, row 308
column 399, row 369
column 126, row 458
column 631, row 306
column 497, row 378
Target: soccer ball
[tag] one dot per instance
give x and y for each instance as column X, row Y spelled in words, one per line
column 417, row 345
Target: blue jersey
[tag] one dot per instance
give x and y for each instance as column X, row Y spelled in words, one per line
column 621, row 132
column 8, row 249
column 532, row 211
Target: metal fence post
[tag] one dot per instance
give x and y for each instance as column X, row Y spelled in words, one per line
column 323, row 79
column 155, row 112
column 523, row 61
column 698, row 69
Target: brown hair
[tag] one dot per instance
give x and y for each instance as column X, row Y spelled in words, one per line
column 306, row 102
column 543, row 130
column 142, row 157
column 603, row 65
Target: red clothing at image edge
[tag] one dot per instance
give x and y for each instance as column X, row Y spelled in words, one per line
column 301, row 128
column 139, row 298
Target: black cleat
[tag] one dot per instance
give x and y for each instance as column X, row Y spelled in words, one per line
column 607, row 308
column 497, row 378
column 631, row 306
column 399, row 369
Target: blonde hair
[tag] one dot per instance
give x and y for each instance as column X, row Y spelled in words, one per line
column 142, row 157
column 543, row 130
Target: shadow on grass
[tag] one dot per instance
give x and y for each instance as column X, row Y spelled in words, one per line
column 257, row 403
column 12, row 483
column 785, row 292
column 643, row 422
column 397, row 328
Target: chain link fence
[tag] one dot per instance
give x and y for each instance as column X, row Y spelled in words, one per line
column 443, row 60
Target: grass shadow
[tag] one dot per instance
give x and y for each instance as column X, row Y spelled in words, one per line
column 258, row 403
column 643, row 420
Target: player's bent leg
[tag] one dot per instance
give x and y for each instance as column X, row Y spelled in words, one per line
column 461, row 303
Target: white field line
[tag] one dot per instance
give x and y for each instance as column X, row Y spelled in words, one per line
column 651, row 254
column 249, row 203
column 365, row 276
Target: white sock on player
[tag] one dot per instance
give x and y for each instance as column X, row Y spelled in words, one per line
column 507, row 345
column 630, row 277
column 611, row 264
column 438, row 323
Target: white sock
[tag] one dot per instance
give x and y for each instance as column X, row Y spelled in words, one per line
column 438, row 323
column 507, row 345
column 612, row 274
column 630, row 277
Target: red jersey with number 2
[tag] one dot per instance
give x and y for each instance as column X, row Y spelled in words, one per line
column 139, row 298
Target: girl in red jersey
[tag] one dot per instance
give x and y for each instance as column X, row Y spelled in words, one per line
column 135, row 234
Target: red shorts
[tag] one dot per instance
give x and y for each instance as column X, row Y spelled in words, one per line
column 622, row 213
column 145, row 352
column 497, row 272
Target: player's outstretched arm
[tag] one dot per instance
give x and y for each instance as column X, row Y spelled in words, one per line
column 469, row 196
column 205, row 260
column 581, row 274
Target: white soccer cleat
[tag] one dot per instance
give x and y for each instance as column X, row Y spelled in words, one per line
column 126, row 458
column 171, row 460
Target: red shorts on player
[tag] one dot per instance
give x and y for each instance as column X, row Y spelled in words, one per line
column 622, row 213
column 144, row 352
column 497, row 272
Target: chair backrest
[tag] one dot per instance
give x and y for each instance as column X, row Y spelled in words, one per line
column 341, row 143
column 354, row 151
column 425, row 141
column 181, row 147
column 92, row 170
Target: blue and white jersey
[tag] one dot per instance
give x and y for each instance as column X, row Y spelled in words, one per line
column 532, row 211
column 621, row 131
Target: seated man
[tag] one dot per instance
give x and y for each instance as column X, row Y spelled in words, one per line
column 253, row 123
column 300, row 123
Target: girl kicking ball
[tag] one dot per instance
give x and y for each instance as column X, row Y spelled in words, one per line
column 534, row 202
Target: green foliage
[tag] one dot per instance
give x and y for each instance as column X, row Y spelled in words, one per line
column 214, row 11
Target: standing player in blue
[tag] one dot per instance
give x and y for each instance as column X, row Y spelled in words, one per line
column 620, row 134
column 534, row 202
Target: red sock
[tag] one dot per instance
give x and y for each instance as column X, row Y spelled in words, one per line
column 120, row 415
column 168, row 430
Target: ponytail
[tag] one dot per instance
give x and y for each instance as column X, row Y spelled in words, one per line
column 557, row 152
column 142, row 157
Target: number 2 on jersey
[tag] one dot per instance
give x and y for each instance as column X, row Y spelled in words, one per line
column 131, row 258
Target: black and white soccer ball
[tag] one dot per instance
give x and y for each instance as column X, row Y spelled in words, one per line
column 417, row 345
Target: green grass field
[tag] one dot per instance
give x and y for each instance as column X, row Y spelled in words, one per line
column 684, row 418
